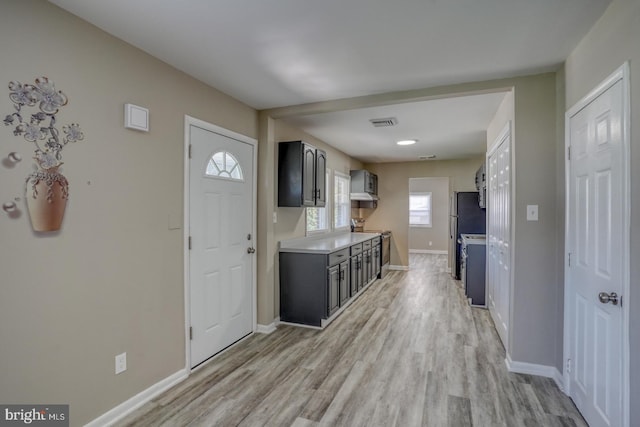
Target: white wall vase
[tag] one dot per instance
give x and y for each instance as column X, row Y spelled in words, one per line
column 47, row 193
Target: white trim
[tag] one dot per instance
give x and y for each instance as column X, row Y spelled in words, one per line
column 399, row 267
column 621, row 74
column 428, row 251
column 125, row 408
column 267, row 329
column 188, row 122
column 346, row 227
column 534, row 369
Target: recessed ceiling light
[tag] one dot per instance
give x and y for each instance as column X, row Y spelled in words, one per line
column 407, row 142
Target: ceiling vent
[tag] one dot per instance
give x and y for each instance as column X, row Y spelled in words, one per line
column 429, row 157
column 387, row 121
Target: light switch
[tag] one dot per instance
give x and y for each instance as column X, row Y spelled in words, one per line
column 532, row 212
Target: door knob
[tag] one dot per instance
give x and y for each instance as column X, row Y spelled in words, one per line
column 608, row 298
column 251, row 250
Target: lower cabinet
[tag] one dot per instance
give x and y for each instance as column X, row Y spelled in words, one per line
column 314, row 286
column 356, row 274
column 375, row 263
column 343, row 286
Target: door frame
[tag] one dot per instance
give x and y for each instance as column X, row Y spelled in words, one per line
column 621, row 74
column 188, row 122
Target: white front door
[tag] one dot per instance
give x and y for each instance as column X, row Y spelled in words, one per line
column 499, row 234
column 595, row 242
column 221, row 213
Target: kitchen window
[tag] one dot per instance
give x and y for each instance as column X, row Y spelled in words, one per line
column 342, row 201
column 420, row 209
column 318, row 220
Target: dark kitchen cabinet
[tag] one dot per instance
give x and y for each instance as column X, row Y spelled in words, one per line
column 366, row 261
column 363, row 181
column 356, row 268
column 343, row 284
column 314, row 286
column 376, row 253
column 301, row 175
column 334, row 289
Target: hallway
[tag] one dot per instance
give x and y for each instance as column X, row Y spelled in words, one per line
column 408, row 352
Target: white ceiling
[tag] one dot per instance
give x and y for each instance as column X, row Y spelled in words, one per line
column 449, row 128
column 288, row 52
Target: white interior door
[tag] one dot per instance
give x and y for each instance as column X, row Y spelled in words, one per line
column 595, row 242
column 221, row 213
column 499, row 234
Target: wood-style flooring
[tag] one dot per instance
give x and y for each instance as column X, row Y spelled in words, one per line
column 409, row 352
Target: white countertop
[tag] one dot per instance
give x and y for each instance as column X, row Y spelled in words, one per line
column 325, row 244
column 474, row 239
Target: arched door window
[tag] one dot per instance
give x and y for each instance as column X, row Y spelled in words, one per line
column 223, row 165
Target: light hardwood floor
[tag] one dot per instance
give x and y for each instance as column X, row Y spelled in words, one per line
column 408, row 352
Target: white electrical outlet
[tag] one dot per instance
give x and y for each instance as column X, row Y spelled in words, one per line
column 430, row 243
column 121, row 363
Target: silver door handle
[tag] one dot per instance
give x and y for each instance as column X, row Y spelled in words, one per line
column 608, row 298
column 251, row 250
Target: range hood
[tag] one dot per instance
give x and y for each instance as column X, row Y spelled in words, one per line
column 363, row 197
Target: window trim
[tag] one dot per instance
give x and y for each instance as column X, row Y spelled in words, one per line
column 333, row 219
column 430, row 210
column 327, row 212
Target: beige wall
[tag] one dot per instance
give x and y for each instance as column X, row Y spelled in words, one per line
column 112, row 280
column 393, row 190
column 438, row 233
column 292, row 221
column 613, row 40
column 505, row 114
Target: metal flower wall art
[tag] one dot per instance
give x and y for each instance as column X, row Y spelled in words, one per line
column 47, row 190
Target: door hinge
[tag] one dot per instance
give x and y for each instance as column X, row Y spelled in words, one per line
column 569, row 259
column 190, row 332
column 569, row 152
column 189, row 242
column 189, row 150
column 568, row 366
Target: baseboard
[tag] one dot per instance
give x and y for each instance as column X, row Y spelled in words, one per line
column 125, row 408
column 267, row 329
column 428, row 251
column 535, row 369
column 399, row 267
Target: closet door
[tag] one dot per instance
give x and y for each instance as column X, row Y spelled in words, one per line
column 499, row 234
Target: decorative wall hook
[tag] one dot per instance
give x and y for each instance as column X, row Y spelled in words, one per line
column 14, row 157
column 9, row 206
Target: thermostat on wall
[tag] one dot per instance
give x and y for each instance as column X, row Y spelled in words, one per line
column 136, row 117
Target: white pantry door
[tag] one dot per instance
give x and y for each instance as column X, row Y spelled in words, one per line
column 499, row 235
column 596, row 218
column 220, row 228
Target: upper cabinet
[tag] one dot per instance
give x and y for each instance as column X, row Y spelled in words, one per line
column 363, row 181
column 301, row 175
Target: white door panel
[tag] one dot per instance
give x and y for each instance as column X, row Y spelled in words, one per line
column 595, row 243
column 499, row 235
column 220, row 226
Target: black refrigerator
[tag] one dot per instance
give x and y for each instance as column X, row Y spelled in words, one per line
column 465, row 217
